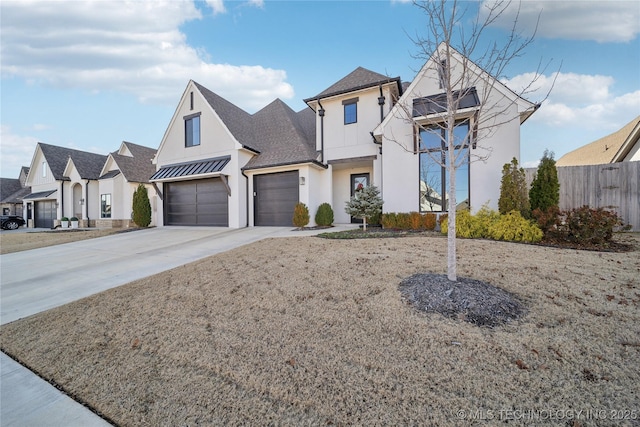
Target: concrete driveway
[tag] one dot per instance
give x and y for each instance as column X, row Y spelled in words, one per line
column 40, row 279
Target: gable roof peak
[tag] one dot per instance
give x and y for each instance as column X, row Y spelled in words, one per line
column 360, row 78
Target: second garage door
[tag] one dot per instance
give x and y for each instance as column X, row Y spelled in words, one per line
column 198, row 202
column 276, row 195
column 45, row 213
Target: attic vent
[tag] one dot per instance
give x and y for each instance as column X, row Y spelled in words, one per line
column 191, row 99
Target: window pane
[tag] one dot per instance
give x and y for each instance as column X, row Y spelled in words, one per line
column 431, row 184
column 105, row 206
column 350, row 113
column 430, row 139
column 460, row 133
column 196, row 130
column 192, row 131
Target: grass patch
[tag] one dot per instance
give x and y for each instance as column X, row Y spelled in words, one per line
column 319, row 334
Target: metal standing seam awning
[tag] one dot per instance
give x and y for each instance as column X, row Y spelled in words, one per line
column 199, row 169
column 192, row 170
column 39, row 195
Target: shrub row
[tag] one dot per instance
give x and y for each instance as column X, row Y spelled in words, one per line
column 489, row 224
column 301, row 217
column 409, row 221
column 582, row 225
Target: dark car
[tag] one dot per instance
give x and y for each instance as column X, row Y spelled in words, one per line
column 11, row 222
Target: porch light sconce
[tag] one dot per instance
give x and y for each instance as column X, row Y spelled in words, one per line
column 57, row 205
column 321, row 112
column 81, row 202
column 302, row 180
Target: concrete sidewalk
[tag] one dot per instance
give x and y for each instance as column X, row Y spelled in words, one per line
column 41, row 279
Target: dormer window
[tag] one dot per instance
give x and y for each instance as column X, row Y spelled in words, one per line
column 350, row 110
column 192, row 130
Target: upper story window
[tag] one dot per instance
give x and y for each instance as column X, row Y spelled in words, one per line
column 350, row 110
column 44, row 169
column 192, row 130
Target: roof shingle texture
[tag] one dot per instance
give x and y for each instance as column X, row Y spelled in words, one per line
column 138, row 167
column 280, row 135
column 601, row 151
column 89, row 165
column 359, row 78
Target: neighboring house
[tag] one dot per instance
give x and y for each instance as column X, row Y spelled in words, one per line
column 620, row 146
column 218, row 165
column 120, row 176
column 12, row 191
column 64, row 182
column 96, row 189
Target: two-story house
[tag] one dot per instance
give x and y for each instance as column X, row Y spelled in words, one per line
column 218, row 165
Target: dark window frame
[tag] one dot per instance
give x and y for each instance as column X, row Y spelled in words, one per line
column 189, row 130
column 105, row 202
column 429, row 153
column 350, row 107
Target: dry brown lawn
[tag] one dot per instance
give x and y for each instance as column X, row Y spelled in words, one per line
column 16, row 242
column 306, row 331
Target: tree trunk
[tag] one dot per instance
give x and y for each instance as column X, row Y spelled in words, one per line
column 451, row 231
column 364, row 223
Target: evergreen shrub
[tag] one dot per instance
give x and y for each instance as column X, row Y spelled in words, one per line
column 300, row 215
column 324, row 215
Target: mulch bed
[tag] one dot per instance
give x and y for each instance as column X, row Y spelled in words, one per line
column 471, row 300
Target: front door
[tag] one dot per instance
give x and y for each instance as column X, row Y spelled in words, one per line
column 358, row 182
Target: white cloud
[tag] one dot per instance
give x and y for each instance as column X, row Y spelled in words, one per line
column 15, row 151
column 601, row 21
column 134, row 47
column 217, row 6
column 579, row 100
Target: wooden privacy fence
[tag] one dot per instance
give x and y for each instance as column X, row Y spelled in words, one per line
column 614, row 186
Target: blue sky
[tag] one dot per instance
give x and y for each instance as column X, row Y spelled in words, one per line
column 88, row 75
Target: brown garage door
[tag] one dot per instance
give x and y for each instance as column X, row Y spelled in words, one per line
column 198, row 202
column 276, row 194
column 45, row 213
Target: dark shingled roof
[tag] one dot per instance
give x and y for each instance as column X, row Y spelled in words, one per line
column 89, row 165
column 236, row 119
column 280, row 135
column 8, row 186
column 138, row 166
column 286, row 137
column 360, row 78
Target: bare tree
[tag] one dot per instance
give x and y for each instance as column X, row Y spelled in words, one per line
column 467, row 110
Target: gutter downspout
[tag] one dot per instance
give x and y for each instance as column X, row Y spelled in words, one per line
column 86, row 201
column 381, row 100
column 247, row 193
column 61, row 199
column 321, row 114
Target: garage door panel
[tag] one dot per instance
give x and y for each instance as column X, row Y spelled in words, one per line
column 201, row 202
column 45, row 214
column 276, row 197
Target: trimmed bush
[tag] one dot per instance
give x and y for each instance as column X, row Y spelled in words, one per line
column 324, row 215
column 429, row 221
column 489, row 224
column 409, row 221
column 547, row 219
column 300, row 215
column 513, row 227
column 74, row 218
